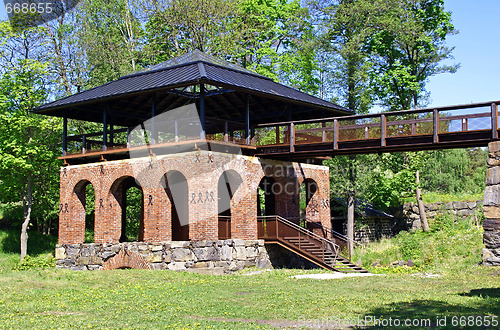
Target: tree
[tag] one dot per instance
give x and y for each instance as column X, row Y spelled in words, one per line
column 407, row 50
column 28, row 152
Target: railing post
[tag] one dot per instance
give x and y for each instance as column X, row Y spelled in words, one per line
column 277, row 134
column 104, row 129
column 435, row 120
column 323, row 136
column 367, row 133
column 464, row 125
column 84, row 144
column 335, row 134
column 413, row 128
column 383, row 128
column 292, row 137
column 276, row 220
column 226, row 136
column 494, row 121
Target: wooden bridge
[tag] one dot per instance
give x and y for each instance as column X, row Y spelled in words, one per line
column 471, row 125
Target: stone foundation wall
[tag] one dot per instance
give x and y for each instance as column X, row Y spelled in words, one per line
column 491, row 223
column 457, row 209
column 222, row 255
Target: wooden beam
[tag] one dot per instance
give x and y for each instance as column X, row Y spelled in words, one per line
column 153, row 114
column 383, row 130
column 335, row 134
column 435, row 128
column 494, row 121
column 247, row 120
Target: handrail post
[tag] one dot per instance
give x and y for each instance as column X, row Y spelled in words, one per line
column 226, row 136
column 277, row 134
column 276, row 220
column 323, row 135
column 383, row 128
column 84, row 144
column 335, row 134
column 494, row 121
column 292, row 137
column 435, row 129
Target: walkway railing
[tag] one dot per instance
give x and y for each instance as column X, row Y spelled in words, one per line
column 451, row 124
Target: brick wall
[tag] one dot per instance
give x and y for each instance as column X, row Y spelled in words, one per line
column 202, row 171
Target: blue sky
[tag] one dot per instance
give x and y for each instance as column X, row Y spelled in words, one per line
column 477, row 49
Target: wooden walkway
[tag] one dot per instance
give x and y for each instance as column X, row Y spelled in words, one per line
column 471, row 125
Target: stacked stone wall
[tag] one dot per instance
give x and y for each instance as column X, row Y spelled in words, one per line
column 220, row 256
column 491, row 223
column 459, row 210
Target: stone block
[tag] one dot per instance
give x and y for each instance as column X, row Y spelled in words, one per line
column 491, row 224
column 182, row 254
column 460, row 205
column 491, row 239
column 493, row 176
column 154, row 257
column 226, row 253
column 491, row 212
column 179, row 244
column 251, row 252
column 448, row 206
column 491, row 195
column 156, row 248
column 176, row 266
column 82, row 261
column 471, row 205
column 60, row 252
column 490, row 258
column 241, row 253
column 95, row 261
column 493, row 162
column 238, row 242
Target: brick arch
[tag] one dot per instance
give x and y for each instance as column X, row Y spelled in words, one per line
column 176, row 209
column 126, row 259
column 113, row 207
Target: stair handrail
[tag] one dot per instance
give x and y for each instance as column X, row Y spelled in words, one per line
column 335, row 233
column 336, row 247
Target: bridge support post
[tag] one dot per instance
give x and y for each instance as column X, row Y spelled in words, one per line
column 491, row 208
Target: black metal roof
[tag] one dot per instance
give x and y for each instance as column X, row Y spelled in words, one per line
column 129, row 97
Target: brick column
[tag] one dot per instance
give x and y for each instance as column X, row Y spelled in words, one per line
column 491, row 208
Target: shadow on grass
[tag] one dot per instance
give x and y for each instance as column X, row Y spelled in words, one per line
column 483, row 293
column 431, row 313
column 10, row 242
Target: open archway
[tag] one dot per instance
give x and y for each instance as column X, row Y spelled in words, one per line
column 307, row 190
column 176, row 187
column 266, row 200
column 84, row 190
column 130, row 198
column 229, row 182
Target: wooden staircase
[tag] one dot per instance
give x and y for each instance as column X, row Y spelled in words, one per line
column 305, row 243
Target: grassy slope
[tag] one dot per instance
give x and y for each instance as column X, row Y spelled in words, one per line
column 136, row 298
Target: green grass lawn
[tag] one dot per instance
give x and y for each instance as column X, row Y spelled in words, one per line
column 53, row 298
column 156, row 299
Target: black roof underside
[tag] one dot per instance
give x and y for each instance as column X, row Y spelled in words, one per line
column 129, row 98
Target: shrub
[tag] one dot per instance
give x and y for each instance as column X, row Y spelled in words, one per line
column 38, row 262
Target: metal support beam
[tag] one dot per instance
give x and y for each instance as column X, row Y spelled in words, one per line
column 176, row 131
column 104, row 129
column 292, row 137
column 84, row 144
column 128, row 137
column 153, row 114
column 226, row 128
column 247, row 120
column 65, row 135
column 202, row 111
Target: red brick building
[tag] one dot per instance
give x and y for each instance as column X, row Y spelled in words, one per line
column 185, row 134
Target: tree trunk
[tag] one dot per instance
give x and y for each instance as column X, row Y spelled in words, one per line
column 421, row 209
column 350, row 222
column 27, row 203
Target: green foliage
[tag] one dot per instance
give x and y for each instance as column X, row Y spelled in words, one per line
column 455, row 171
column 407, row 49
column 37, row 244
column 133, row 213
column 450, row 245
column 38, row 262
